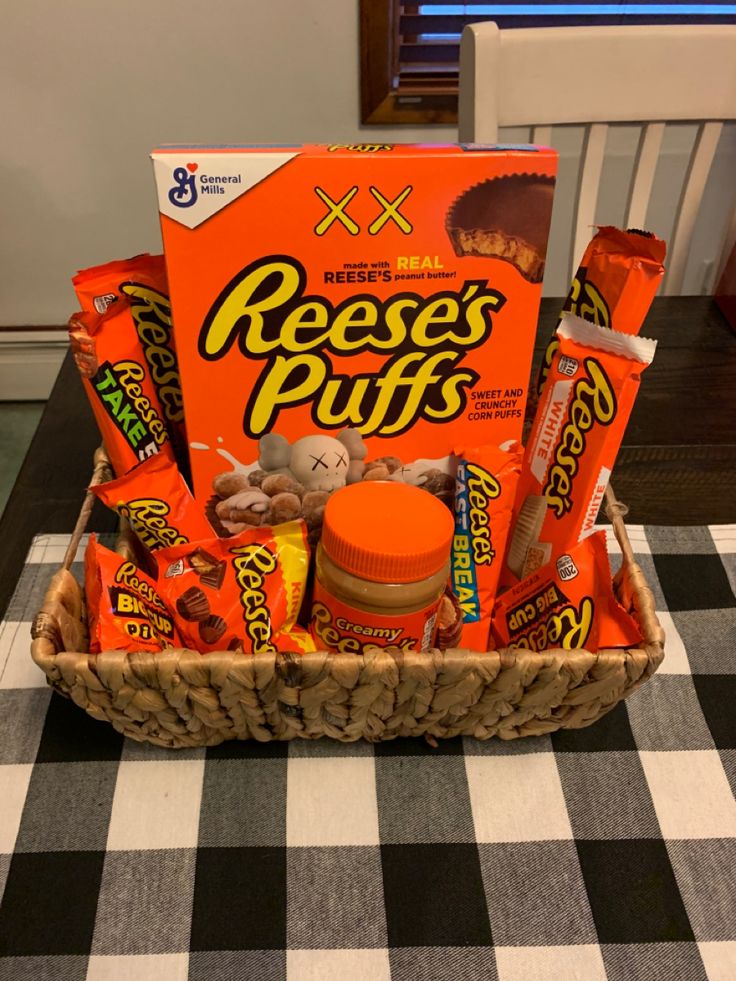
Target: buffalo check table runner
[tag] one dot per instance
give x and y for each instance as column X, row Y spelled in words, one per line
column 606, row 852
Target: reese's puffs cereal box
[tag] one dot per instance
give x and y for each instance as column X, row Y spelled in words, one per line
column 338, row 305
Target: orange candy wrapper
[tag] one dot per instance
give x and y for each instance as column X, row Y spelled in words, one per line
column 578, row 428
column 239, row 593
column 142, row 282
column 486, row 482
column 124, row 609
column 119, row 386
column 156, row 501
column 568, row 603
column 614, row 286
column 99, row 286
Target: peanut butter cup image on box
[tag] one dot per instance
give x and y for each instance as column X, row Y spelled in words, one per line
column 505, row 218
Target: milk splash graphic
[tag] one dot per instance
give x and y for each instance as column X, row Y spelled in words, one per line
column 411, row 473
column 237, row 466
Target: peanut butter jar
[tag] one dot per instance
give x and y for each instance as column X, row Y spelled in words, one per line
column 381, row 568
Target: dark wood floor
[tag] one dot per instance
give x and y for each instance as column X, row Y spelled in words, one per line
column 677, row 465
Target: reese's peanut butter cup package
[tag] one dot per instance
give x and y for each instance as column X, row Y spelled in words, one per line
column 578, row 428
column 156, row 501
column 614, row 286
column 124, row 608
column 240, row 593
column 142, row 281
column 484, row 498
column 568, row 603
column 357, row 309
column 118, row 382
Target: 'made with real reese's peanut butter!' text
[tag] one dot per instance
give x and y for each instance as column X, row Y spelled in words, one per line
column 340, row 304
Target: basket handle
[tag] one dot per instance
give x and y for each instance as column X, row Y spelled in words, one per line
column 101, row 473
column 616, row 512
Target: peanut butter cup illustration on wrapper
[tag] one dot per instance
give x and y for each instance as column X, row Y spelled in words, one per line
column 505, row 218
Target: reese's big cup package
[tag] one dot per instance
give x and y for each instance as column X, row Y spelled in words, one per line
column 580, row 422
column 484, row 498
column 142, row 281
column 568, row 603
column 338, row 305
column 240, row 593
column 124, row 608
column 156, row 501
column 614, row 286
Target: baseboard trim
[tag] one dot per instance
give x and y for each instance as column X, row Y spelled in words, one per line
column 30, row 358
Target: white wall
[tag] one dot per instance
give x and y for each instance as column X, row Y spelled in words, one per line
column 88, row 87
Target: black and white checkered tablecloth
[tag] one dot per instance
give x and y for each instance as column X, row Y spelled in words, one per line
column 608, row 852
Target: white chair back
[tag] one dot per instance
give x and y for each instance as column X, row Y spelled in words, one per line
column 596, row 76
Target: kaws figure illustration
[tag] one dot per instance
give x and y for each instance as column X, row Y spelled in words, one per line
column 321, row 463
column 293, row 480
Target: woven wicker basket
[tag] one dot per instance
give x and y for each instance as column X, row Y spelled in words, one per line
column 180, row 698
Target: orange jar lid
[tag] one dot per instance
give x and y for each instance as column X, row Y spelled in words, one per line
column 386, row 531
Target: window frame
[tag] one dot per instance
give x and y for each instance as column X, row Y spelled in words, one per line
column 382, row 101
column 385, row 100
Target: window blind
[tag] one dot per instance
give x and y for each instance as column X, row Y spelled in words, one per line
column 410, row 50
column 428, row 34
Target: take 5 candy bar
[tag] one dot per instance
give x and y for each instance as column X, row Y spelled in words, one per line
column 99, row 286
column 338, row 306
column 141, row 281
column 119, row 386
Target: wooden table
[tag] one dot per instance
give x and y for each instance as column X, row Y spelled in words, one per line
column 677, row 465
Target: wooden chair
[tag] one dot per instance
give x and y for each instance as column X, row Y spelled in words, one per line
column 543, row 77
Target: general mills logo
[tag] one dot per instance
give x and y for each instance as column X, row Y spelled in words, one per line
column 184, row 192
